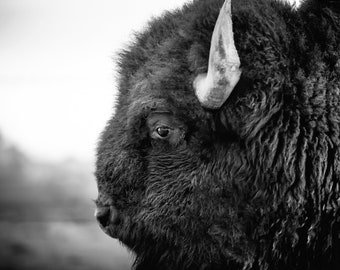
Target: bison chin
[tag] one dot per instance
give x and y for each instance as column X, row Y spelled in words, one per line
column 157, row 253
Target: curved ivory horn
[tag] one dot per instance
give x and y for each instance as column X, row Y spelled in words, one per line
column 213, row 89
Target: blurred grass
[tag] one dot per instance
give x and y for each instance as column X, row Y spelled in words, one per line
column 58, row 245
column 46, row 217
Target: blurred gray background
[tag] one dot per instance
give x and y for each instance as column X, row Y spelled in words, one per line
column 57, row 90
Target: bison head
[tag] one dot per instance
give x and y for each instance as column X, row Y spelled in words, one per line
column 203, row 171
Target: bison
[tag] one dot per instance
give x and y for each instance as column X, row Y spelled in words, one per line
column 224, row 149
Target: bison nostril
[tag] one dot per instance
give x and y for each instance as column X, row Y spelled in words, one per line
column 106, row 215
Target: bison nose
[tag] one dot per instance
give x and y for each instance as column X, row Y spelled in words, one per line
column 106, row 215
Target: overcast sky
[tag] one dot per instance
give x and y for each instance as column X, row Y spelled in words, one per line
column 56, row 70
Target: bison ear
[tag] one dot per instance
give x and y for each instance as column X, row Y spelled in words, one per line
column 213, row 88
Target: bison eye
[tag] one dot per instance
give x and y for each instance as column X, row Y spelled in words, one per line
column 163, row 132
column 163, row 126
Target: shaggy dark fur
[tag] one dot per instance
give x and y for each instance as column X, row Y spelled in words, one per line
column 254, row 185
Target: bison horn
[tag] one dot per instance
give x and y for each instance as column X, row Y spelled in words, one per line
column 213, row 88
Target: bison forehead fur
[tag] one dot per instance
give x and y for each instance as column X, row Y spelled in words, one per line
column 252, row 185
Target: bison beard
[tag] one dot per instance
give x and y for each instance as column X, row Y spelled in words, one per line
column 250, row 184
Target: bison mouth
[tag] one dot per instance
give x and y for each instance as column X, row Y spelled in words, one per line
column 108, row 219
column 117, row 225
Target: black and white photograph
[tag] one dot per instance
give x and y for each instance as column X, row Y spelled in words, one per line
column 170, row 135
